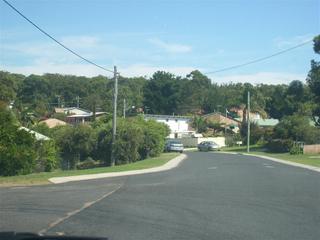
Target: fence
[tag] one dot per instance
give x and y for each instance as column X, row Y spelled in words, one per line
column 313, row 149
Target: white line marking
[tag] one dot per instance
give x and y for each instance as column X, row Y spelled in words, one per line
column 70, row 214
column 267, row 166
column 212, row 168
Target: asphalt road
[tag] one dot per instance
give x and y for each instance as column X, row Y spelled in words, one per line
column 209, row 196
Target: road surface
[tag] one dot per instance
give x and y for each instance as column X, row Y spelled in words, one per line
column 209, row 196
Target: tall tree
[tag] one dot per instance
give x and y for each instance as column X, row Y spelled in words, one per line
column 313, row 80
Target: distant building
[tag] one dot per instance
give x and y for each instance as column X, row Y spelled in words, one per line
column 222, row 119
column 53, row 122
column 239, row 113
column 179, row 125
column 78, row 115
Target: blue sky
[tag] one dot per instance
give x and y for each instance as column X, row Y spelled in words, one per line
column 143, row 36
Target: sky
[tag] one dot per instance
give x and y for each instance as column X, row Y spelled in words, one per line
column 178, row 36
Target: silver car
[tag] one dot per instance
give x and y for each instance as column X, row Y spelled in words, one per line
column 208, row 146
column 174, row 146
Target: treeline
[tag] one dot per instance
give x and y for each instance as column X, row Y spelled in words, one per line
column 163, row 93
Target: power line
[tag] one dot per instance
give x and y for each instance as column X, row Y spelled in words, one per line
column 259, row 59
column 54, row 39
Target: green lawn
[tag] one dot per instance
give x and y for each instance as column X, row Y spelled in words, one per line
column 42, row 178
column 308, row 159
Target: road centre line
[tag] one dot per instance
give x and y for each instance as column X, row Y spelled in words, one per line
column 72, row 213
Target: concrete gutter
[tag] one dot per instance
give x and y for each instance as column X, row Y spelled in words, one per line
column 300, row 165
column 169, row 165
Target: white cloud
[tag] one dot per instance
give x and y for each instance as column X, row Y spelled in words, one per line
column 259, row 77
column 43, row 66
column 281, row 42
column 147, row 70
column 171, row 47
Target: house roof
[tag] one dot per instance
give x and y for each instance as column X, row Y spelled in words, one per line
column 53, row 122
column 70, row 109
column 90, row 114
column 219, row 113
column 37, row 135
column 154, row 116
column 270, row 122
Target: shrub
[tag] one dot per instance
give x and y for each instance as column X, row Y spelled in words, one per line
column 128, row 140
column 296, row 150
column 279, row 145
column 48, row 158
column 153, row 139
column 75, row 143
column 17, row 154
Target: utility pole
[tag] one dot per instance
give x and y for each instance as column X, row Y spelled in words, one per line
column 78, row 101
column 248, row 122
column 124, row 108
column 114, row 119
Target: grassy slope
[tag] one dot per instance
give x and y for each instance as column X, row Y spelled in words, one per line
column 308, row 159
column 42, row 178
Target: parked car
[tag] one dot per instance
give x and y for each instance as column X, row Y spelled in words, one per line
column 208, row 146
column 174, row 146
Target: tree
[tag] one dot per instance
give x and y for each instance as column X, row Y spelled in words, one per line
column 296, row 128
column 75, row 143
column 17, row 154
column 161, row 93
column 313, row 80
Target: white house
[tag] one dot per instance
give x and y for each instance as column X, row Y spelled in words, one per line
column 179, row 125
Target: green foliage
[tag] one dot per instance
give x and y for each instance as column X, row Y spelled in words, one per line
column 136, row 139
column 47, row 156
column 199, row 123
column 17, row 155
column 128, row 141
column 43, row 129
column 75, row 143
column 256, row 133
column 296, row 128
column 9, row 85
column 296, row 150
column 154, row 138
column 161, row 93
column 279, row 145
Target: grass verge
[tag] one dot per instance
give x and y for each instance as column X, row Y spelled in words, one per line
column 307, row 159
column 42, row 178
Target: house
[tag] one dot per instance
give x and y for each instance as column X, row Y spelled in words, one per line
column 239, row 113
column 222, row 119
column 268, row 122
column 38, row 136
column 78, row 115
column 53, row 122
column 179, row 125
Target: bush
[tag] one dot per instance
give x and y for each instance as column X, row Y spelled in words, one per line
column 17, row 154
column 279, row 146
column 75, row 143
column 153, row 139
column 48, row 158
column 296, row 150
column 256, row 133
column 129, row 138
